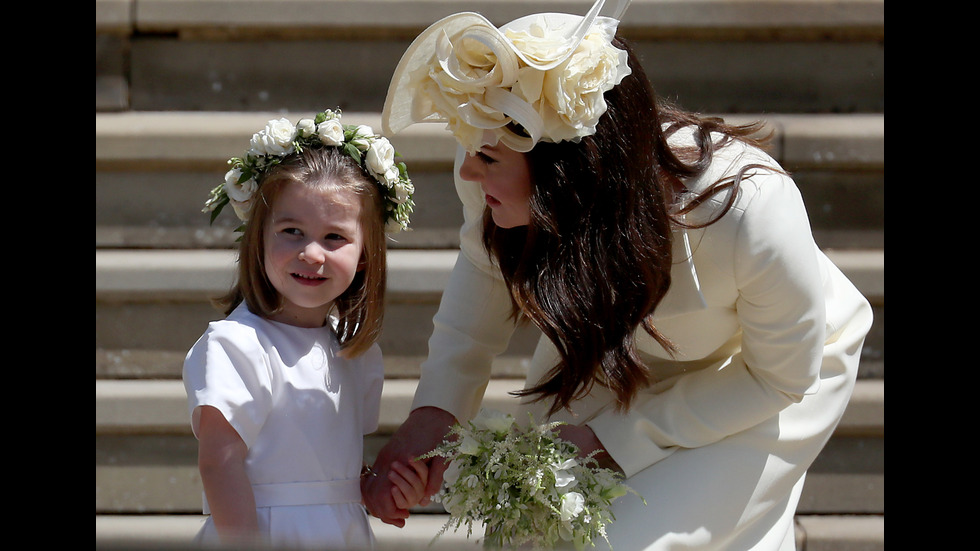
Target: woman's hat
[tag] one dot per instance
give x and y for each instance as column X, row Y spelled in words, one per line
column 540, row 77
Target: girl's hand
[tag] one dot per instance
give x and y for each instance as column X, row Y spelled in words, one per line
column 409, row 484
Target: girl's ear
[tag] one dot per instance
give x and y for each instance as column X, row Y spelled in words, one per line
column 362, row 263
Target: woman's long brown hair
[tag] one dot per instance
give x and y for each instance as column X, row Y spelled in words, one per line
column 594, row 262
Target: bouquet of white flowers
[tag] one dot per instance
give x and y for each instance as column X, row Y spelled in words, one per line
column 525, row 485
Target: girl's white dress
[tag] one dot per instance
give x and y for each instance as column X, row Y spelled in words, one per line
column 303, row 411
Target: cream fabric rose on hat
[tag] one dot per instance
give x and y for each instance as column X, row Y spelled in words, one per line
column 572, row 93
column 540, row 77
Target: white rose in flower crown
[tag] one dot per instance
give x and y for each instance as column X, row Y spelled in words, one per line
column 575, row 88
column 380, row 156
column 363, row 136
column 236, row 191
column 306, row 127
column 275, row 139
column 330, row 132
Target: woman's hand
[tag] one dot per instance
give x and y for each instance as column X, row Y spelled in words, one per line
column 422, row 432
column 587, row 442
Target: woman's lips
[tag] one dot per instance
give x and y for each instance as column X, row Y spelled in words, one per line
column 492, row 201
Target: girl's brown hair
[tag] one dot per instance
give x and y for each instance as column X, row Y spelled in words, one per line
column 594, row 262
column 359, row 309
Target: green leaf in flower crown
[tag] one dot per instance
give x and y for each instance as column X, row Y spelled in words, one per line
column 352, row 150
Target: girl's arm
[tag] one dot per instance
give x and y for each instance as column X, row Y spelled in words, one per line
column 221, row 461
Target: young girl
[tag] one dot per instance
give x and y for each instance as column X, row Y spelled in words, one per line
column 283, row 390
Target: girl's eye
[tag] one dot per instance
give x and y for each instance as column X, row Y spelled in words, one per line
column 292, row 231
column 335, row 237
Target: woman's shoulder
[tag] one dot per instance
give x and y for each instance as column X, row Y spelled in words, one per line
column 756, row 171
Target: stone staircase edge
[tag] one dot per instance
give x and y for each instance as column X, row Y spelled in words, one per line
column 122, row 273
column 839, row 532
column 163, row 274
column 864, row 16
column 174, row 138
column 160, row 406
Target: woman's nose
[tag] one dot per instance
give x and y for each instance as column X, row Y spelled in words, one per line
column 469, row 170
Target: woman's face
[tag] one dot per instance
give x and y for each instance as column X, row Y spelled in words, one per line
column 313, row 245
column 504, row 176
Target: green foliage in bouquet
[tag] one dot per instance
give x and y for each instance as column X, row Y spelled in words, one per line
column 525, row 485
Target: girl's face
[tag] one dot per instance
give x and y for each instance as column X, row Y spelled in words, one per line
column 313, row 247
column 504, row 176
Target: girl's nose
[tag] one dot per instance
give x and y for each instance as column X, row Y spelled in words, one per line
column 470, row 170
column 312, row 253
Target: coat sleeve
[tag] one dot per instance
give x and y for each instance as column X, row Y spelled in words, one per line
column 473, row 323
column 781, row 312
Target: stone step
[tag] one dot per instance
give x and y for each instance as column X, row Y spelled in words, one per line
column 160, row 406
column 146, row 455
column 773, row 20
column 818, row 55
column 151, row 306
column 154, row 170
column 175, row 532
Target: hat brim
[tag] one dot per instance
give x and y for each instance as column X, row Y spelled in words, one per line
column 397, row 114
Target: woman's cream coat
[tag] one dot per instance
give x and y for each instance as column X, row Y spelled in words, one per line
column 760, row 317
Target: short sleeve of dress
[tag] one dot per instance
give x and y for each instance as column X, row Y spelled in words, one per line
column 227, row 369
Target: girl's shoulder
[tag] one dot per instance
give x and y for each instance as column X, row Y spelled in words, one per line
column 240, row 320
column 241, row 329
column 370, row 362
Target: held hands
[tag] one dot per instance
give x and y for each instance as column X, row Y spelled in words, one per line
column 401, row 481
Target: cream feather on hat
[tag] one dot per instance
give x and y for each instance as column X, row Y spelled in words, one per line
column 540, row 77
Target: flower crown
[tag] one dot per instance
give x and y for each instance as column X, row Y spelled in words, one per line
column 280, row 138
